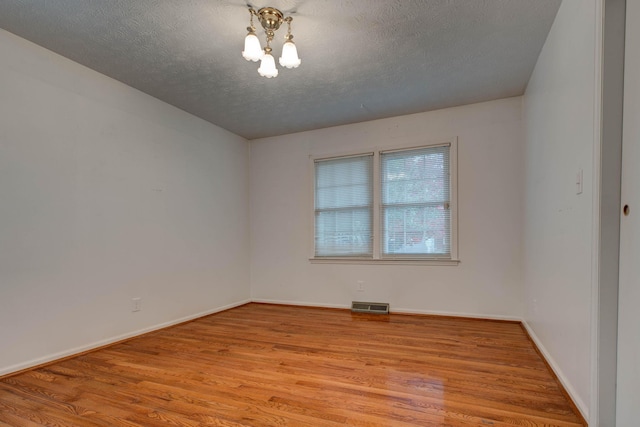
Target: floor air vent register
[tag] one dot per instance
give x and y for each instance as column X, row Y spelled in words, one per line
column 370, row 307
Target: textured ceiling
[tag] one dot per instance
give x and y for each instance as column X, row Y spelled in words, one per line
column 361, row 59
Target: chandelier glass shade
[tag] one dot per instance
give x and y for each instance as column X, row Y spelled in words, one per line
column 252, row 50
column 270, row 19
column 268, row 65
column 289, row 58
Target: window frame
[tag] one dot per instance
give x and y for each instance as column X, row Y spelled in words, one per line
column 377, row 257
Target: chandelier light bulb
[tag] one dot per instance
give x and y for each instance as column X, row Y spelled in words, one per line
column 289, row 58
column 268, row 65
column 252, row 50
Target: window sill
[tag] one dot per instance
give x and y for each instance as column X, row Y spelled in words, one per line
column 386, row 261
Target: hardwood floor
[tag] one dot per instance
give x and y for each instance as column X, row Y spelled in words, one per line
column 269, row 365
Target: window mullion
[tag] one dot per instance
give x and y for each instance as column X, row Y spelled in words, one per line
column 377, row 202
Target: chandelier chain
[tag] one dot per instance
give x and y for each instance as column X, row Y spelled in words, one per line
column 251, row 28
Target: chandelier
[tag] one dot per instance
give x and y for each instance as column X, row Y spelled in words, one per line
column 270, row 19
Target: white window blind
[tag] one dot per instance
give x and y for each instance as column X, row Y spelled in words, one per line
column 415, row 207
column 344, row 206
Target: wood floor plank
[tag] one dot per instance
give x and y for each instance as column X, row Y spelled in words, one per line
column 271, row 365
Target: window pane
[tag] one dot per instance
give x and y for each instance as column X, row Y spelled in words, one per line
column 415, row 216
column 344, row 182
column 344, row 233
column 416, row 230
column 416, row 176
column 344, row 206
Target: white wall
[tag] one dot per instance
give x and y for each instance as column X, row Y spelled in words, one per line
column 487, row 282
column 108, row 194
column 561, row 136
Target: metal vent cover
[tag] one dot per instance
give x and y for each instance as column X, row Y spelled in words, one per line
column 370, row 307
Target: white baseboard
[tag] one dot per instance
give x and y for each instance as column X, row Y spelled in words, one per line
column 393, row 310
column 556, row 370
column 102, row 343
column 299, row 303
column 457, row 314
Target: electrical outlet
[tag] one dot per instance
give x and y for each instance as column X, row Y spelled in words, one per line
column 136, row 304
column 360, row 287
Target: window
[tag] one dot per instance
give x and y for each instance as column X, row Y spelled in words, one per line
column 415, row 206
column 407, row 212
column 344, row 206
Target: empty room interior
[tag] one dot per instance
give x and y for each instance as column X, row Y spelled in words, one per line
column 319, row 213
